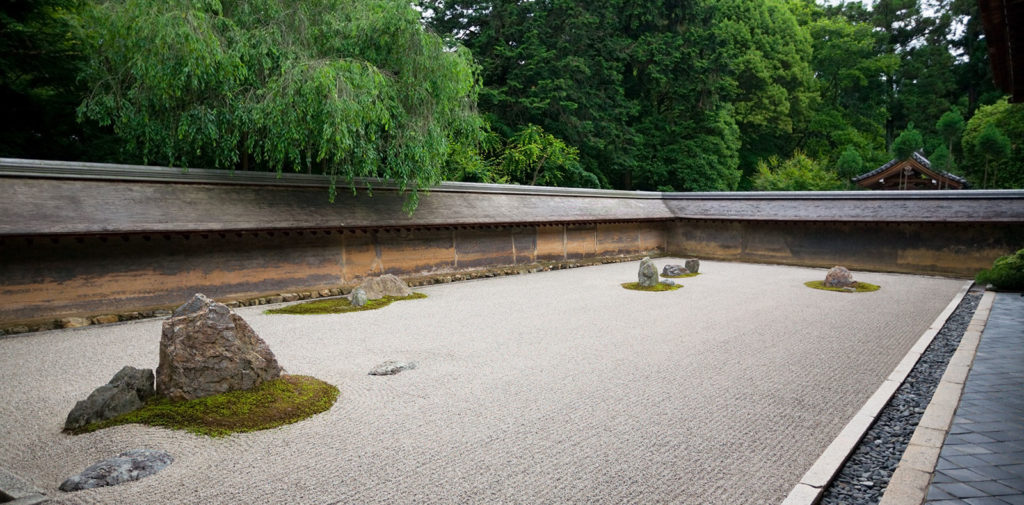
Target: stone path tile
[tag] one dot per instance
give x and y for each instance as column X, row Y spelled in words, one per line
column 982, row 459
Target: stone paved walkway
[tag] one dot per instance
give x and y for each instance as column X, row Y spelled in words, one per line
column 982, row 460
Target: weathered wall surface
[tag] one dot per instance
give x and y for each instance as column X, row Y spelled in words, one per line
column 949, row 249
column 56, row 277
column 81, row 239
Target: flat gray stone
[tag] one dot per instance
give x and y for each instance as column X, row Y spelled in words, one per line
column 126, row 467
column 392, row 367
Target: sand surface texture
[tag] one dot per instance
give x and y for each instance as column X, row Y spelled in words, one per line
column 554, row 387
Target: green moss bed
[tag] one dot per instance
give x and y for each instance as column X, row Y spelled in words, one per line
column 661, row 286
column 286, row 400
column 339, row 305
column 691, row 274
column 858, row 287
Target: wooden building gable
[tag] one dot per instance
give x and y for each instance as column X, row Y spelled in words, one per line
column 915, row 172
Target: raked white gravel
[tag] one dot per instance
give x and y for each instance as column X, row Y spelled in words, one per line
column 554, row 387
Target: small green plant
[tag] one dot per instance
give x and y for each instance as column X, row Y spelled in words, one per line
column 661, row 286
column 340, row 305
column 1007, row 273
column 857, row 287
column 286, row 400
column 682, row 276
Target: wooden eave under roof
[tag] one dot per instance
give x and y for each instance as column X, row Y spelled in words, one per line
column 892, row 175
column 1003, row 21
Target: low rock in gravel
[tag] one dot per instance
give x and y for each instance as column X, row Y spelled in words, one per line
column 385, row 285
column 125, row 392
column 673, row 270
column 392, row 367
column 838, row 277
column 126, row 467
column 359, row 297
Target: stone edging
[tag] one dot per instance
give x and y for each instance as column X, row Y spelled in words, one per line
column 18, row 492
column 808, row 491
column 910, row 481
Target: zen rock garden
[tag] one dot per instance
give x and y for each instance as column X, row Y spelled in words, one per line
column 648, row 280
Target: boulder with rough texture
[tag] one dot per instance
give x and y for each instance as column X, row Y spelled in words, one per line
column 648, row 273
column 359, row 297
column 838, row 277
column 207, row 349
column 674, row 270
column 392, row 367
column 385, row 285
column 126, row 391
column 669, row 282
column 126, row 467
column 692, row 265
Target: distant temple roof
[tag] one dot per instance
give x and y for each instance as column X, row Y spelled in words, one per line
column 915, row 172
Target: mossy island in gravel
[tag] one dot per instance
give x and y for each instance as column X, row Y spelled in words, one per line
column 661, row 286
column 856, row 287
column 682, row 276
column 340, row 305
column 286, row 400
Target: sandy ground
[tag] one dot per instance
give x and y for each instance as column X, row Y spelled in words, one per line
column 555, row 387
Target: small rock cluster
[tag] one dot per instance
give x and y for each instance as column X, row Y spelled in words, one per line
column 689, row 266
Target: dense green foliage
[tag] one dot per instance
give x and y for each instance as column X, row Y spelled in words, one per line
column 798, row 173
column 286, row 400
column 993, row 147
column 1007, row 273
column 348, row 89
column 686, row 95
column 340, row 305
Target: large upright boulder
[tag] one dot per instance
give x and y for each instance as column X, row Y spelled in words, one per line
column 385, row 285
column 648, row 273
column 838, row 277
column 207, row 349
column 126, row 391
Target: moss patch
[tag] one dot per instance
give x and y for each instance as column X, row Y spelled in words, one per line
column 661, row 286
column 340, row 305
column 286, row 400
column 692, row 274
column 858, row 287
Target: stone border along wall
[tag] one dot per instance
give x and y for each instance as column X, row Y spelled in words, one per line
column 93, row 243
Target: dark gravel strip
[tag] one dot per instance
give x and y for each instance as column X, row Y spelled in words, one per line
column 864, row 477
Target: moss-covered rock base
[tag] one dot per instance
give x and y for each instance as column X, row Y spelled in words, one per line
column 340, row 305
column 684, row 276
column 857, row 287
column 286, row 400
column 661, row 286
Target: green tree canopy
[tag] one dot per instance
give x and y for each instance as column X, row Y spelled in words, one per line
column 950, row 126
column 909, row 142
column 347, row 89
column 983, row 144
column 798, row 173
